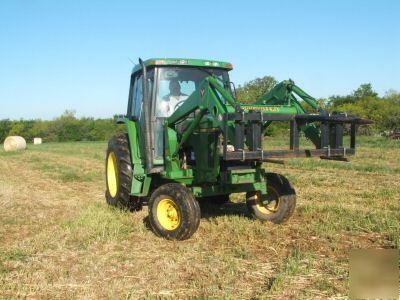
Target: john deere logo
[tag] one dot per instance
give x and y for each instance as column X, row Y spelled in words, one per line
column 202, row 91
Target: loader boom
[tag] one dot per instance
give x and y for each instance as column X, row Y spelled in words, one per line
column 242, row 126
column 284, row 94
column 206, row 100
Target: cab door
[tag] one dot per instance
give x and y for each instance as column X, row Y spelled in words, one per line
column 135, row 107
column 135, row 112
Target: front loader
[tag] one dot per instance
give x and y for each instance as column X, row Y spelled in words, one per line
column 188, row 139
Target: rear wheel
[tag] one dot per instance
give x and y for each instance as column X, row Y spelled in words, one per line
column 279, row 203
column 174, row 213
column 119, row 174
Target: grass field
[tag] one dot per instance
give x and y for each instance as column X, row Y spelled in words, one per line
column 59, row 239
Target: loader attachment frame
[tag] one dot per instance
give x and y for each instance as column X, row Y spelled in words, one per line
column 249, row 133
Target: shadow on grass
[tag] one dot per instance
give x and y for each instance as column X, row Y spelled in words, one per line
column 212, row 210
column 146, row 223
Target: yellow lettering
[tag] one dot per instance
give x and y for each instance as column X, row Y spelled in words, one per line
column 262, row 108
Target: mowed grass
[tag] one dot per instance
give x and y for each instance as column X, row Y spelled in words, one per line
column 59, row 239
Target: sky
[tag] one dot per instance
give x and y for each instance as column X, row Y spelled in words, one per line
column 58, row 55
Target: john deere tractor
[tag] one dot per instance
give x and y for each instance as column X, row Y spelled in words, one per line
column 187, row 139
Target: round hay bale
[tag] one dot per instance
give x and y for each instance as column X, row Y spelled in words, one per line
column 37, row 141
column 13, row 143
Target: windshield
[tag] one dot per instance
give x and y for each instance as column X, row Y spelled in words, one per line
column 175, row 84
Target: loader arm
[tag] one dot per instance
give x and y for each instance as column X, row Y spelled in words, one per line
column 209, row 98
column 284, row 94
column 205, row 97
column 213, row 98
column 242, row 125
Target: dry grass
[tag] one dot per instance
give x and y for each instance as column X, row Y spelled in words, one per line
column 60, row 240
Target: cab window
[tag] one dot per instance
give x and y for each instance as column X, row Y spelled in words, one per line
column 138, row 98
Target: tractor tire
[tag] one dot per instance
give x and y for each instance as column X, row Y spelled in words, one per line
column 119, row 174
column 281, row 197
column 174, row 213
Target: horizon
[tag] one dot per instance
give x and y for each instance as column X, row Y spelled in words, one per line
column 58, row 56
column 79, row 116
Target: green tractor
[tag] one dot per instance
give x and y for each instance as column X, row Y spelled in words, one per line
column 188, row 139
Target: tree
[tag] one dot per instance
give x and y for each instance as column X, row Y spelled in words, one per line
column 252, row 90
column 44, row 130
column 5, row 126
column 365, row 90
column 391, row 122
column 67, row 127
column 393, row 96
column 336, row 100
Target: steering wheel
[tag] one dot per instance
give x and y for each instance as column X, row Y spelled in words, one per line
column 177, row 105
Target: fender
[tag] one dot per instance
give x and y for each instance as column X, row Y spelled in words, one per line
column 140, row 180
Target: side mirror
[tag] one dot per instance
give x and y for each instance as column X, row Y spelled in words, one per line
column 120, row 119
column 133, row 118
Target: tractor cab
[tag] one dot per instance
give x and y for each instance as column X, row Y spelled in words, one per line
column 169, row 83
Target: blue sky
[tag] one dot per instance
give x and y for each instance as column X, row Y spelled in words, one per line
column 57, row 55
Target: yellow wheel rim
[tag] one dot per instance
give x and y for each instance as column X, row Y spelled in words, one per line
column 168, row 214
column 273, row 202
column 112, row 174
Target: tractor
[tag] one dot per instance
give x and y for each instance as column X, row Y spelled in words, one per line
column 187, row 140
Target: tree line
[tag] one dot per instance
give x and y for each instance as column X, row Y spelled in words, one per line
column 65, row 128
column 363, row 101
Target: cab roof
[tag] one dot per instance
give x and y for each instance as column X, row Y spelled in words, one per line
column 206, row 63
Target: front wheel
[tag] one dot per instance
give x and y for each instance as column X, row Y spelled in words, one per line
column 174, row 213
column 278, row 205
